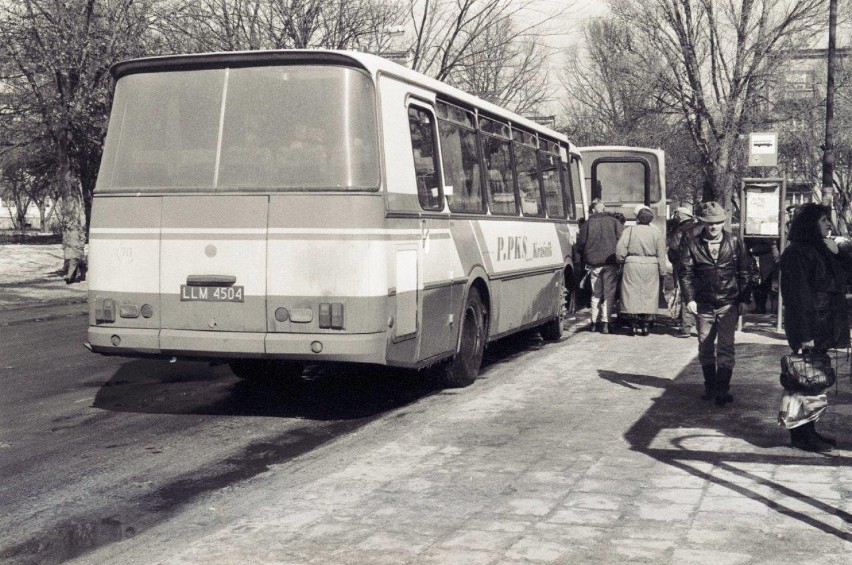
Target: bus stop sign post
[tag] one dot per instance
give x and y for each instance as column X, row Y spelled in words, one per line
column 762, row 216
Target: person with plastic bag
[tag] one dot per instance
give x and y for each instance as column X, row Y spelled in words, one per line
column 641, row 250
column 814, row 276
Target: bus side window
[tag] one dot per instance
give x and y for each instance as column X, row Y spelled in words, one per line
column 422, row 128
column 527, row 169
column 550, row 173
column 573, row 184
column 461, row 167
column 501, row 191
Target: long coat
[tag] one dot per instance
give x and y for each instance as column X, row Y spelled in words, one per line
column 813, row 287
column 642, row 251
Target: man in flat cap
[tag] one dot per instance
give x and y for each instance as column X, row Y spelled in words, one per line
column 716, row 272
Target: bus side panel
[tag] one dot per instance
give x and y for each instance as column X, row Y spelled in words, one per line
column 523, row 256
column 124, row 261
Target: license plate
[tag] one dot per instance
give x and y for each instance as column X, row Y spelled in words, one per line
column 211, row 293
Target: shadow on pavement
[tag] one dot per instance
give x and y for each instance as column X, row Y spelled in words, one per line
column 325, row 392
column 687, row 433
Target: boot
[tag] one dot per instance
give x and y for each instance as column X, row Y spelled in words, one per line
column 723, row 384
column 643, row 328
column 632, row 329
column 801, row 438
column 811, row 427
column 709, row 381
column 604, row 327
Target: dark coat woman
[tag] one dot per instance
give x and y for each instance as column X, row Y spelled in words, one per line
column 641, row 250
column 813, row 286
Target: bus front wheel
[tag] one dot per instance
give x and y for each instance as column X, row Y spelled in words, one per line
column 462, row 370
column 266, row 370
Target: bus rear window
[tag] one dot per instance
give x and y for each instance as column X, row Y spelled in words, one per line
column 277, row 127
column 622, row 181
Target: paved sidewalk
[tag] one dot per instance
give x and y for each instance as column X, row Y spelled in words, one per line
column 599, row 451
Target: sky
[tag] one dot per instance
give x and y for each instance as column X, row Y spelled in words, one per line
column 563, row 32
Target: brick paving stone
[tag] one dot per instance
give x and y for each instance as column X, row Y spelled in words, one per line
column 595, row 501
column 674, row 513
column 456, row 556
column 537, row 550
column 697, row 557
column 585, row 516
column 734, row 504
column 674, row 495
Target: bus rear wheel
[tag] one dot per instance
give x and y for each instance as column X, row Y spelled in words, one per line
column 266, row 370
column 463, row 368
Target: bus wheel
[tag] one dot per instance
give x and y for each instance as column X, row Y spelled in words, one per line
column 462, row 370
column 263, row 370
column 552, row 330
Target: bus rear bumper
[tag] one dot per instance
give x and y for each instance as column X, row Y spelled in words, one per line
column 355, row 348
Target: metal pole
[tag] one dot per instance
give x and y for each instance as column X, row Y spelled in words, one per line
column 828, row 146
column 782, row 230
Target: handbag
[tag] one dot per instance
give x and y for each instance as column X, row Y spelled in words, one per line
column 810, row 373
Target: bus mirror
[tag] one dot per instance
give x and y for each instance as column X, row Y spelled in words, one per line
column 448, row 190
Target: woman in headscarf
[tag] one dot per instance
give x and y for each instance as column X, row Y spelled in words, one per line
column 641, row 250
column 814, row 276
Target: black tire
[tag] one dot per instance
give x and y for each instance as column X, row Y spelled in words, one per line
column 266, row 370
column 463, row 368
column 552, row 330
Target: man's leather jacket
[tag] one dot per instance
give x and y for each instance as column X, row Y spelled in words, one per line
column 719, row 282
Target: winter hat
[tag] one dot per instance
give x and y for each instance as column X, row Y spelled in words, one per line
column 711, row 212
column 684, row 212
column 639, row 208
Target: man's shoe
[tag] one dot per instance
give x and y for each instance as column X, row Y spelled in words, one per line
column 723, row 382
column 724, row 398
column 604, row 327
column 593, row 327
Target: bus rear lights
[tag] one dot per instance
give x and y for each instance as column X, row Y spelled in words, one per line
column 282, row 315
column 147, row 310
column 331, row 315
column 128, row 311
column 316, row 346
column 301, row 315
column 115, row 340
column 104, row 310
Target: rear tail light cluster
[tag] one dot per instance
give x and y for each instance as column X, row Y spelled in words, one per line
column 331, row 315
column 106, row 310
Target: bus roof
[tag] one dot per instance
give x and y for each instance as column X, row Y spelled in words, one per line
column 373, row 64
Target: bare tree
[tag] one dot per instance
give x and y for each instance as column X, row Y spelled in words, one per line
column 56, row 54
column 717, row 60
column 511, row 74
column 611, row 98
column 232, row 25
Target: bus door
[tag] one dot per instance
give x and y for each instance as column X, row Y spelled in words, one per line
column 213, row 264
column 435, row 245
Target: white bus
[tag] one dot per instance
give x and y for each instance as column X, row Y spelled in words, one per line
column 281, row 207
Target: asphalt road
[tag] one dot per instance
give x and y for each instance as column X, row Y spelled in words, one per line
column 96, row 449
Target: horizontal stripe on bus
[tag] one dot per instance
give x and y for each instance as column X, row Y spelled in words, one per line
column 272, row 237
column 521, row 273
